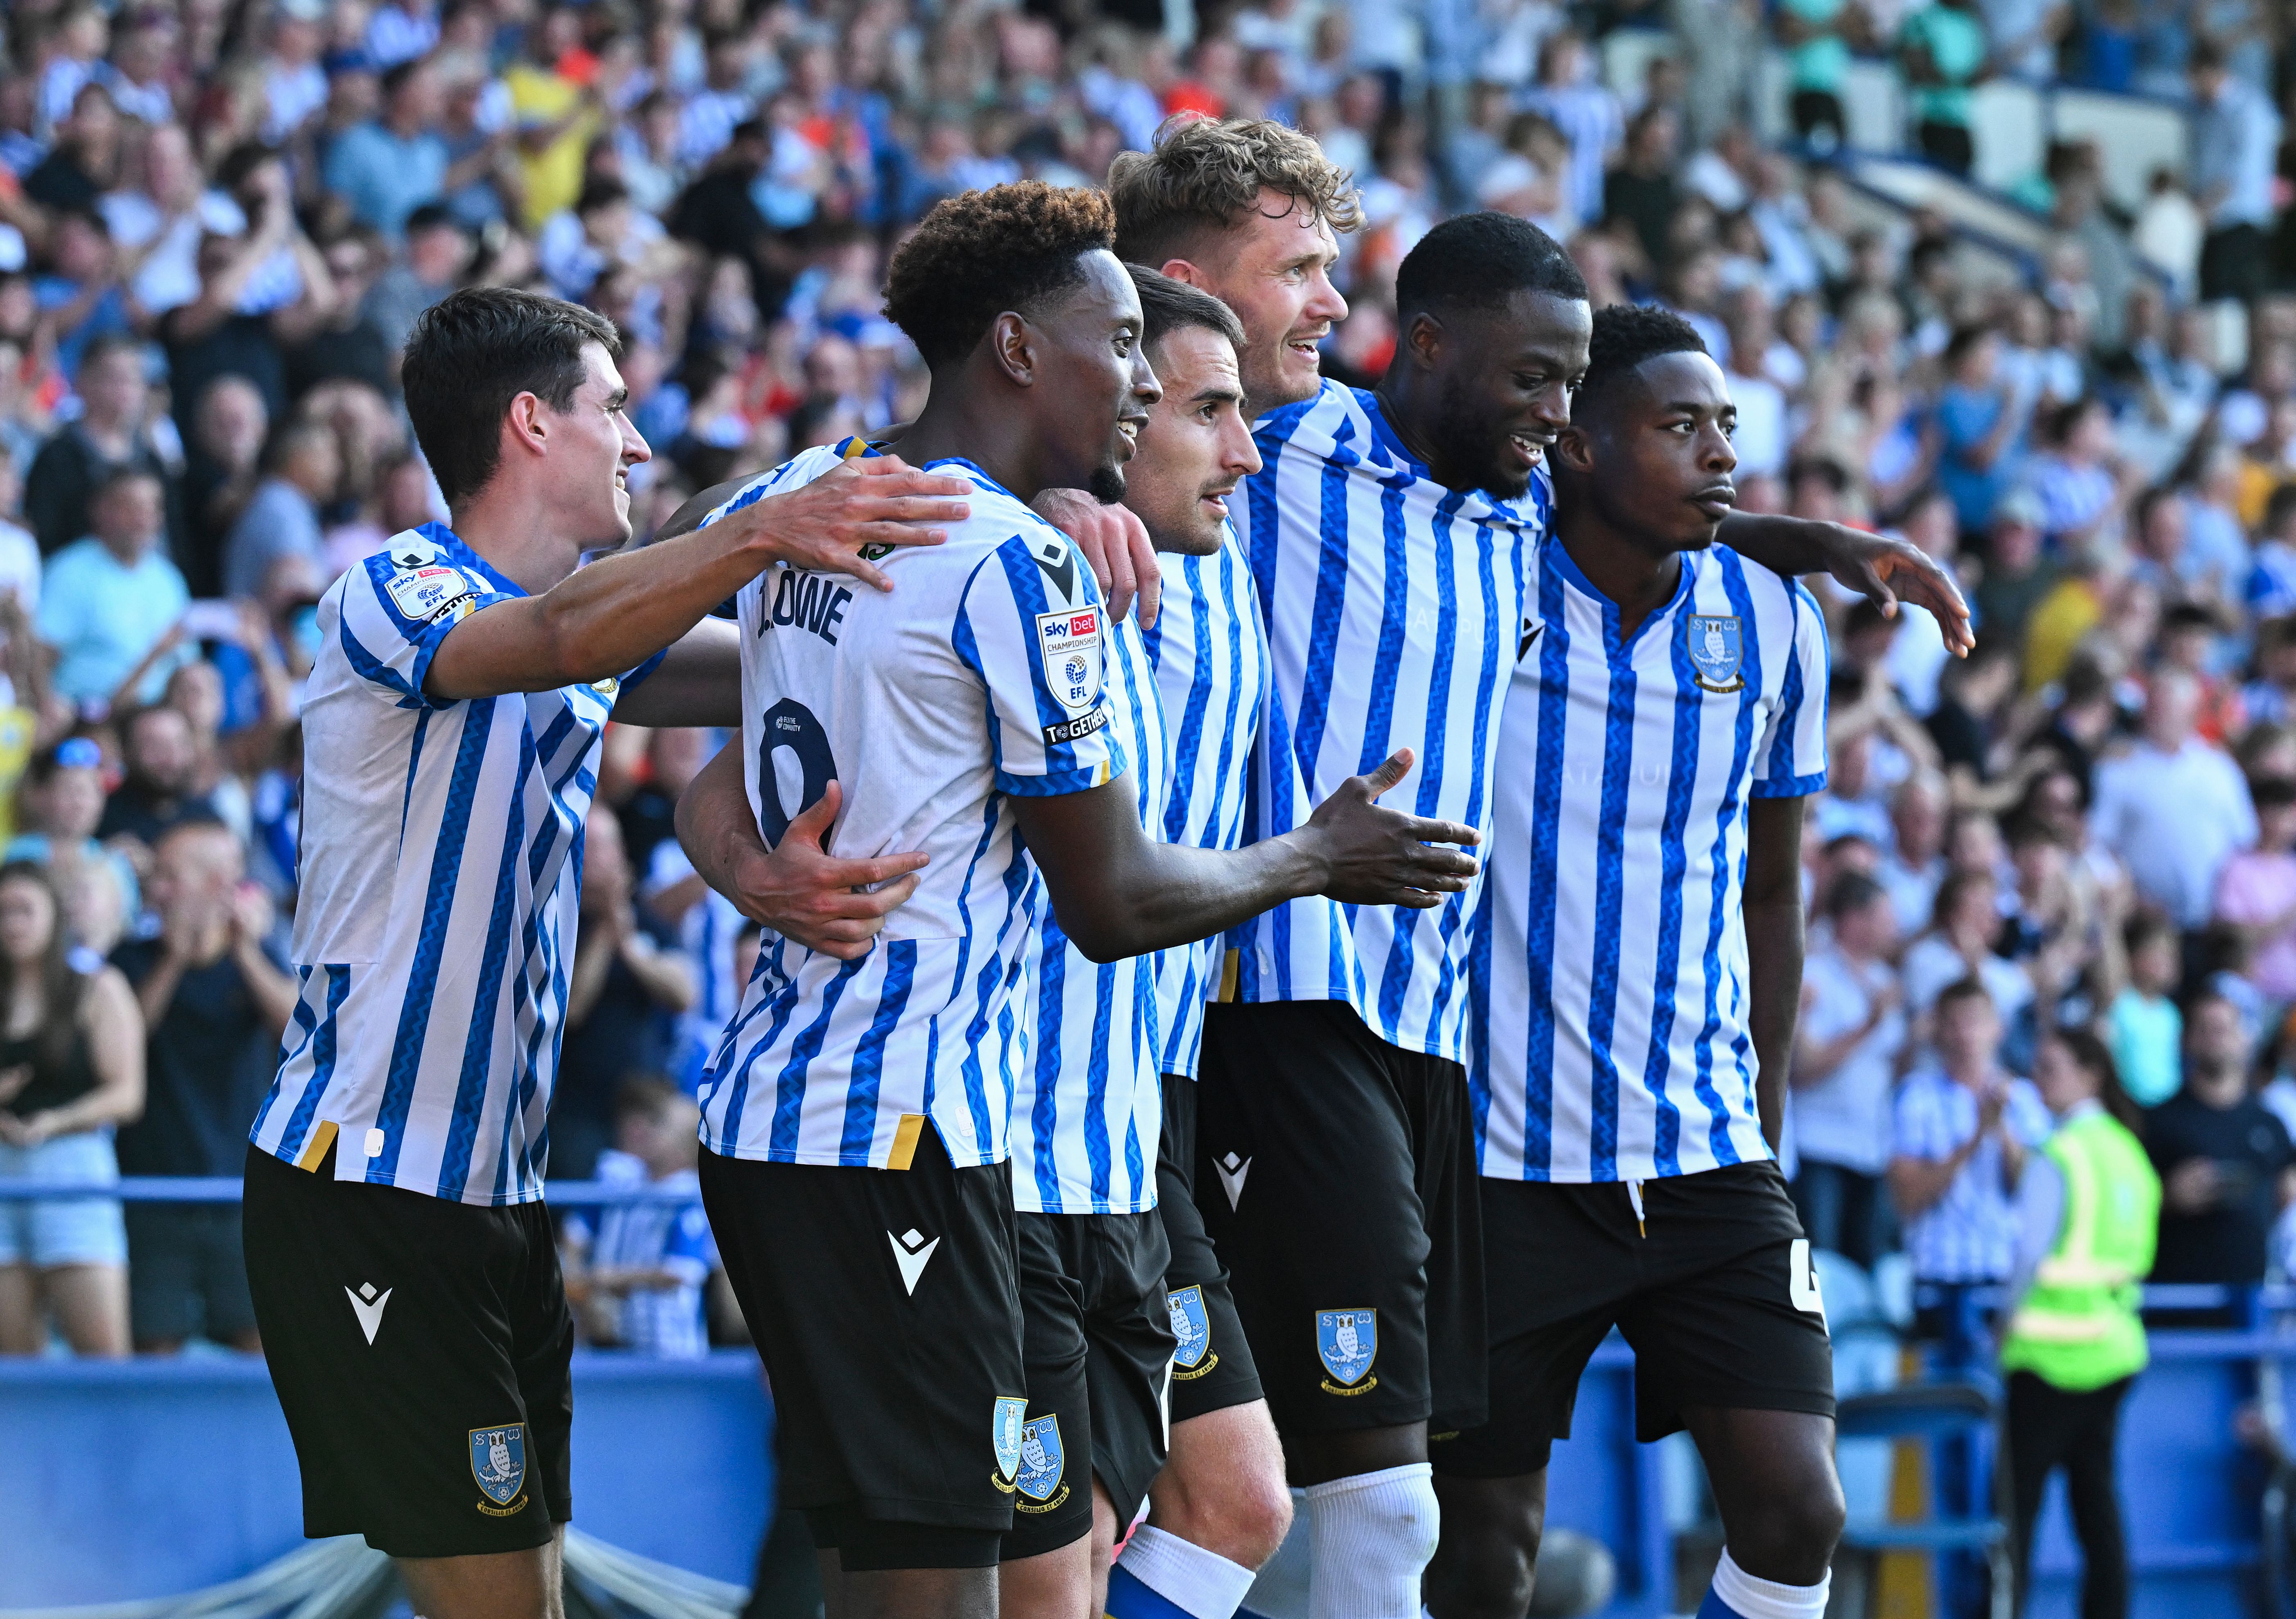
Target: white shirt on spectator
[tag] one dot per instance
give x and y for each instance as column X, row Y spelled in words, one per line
column 2174, row 820
column 1932, row 966
column 1844, row 1118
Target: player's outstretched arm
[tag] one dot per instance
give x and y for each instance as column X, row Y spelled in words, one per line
column 1774, row 949
column 612, row 616
column 1118, row 893
column 1874, row 565
column 798, row 889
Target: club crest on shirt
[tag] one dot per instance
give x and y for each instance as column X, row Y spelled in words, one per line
column 1717, row 647
column 1005, row 1436
column 1346, row 1342
column 1070, row 643
column 1043, row 1464
column 499, row 1462
column 1193, row 1328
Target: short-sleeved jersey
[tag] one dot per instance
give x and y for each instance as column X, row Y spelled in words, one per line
column 982, row 676
column 440, row 869
column 1210, row 650
column 1611, row 1039
column 1392, row 607
column 1088, row 1108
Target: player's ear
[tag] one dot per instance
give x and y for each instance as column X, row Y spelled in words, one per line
column 1572, row 449
column 1180, row 269
column 1009, row 344
column 524, row 425
column 1422, row 339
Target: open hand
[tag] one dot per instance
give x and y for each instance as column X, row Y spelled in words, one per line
column 1383, row 857
column 810, row 897
column 1886, row 569
column 834, row 523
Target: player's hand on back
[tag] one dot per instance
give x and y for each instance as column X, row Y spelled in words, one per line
column 832, row 523
column 1378, row 856
column 810, row 897
column 1115, row 544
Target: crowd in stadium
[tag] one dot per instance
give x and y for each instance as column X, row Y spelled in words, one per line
column 219, row 220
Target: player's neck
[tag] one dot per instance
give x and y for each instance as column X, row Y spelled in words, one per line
column 967, row 423
column 519, row 537
column 1637, row 574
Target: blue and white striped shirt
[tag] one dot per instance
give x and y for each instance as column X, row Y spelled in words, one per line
column 1210, row 653
column 440, row 868
column 1610, row 979
column 1969, row 1235
column 1088, row 1110
column 674, row 1237
column 981, row 677
column 1392, row 606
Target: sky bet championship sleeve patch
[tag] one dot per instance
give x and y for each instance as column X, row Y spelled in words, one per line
column 1075, row 672
column 426, row 593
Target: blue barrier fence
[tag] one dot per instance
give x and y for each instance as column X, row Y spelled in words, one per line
column 138, row 1479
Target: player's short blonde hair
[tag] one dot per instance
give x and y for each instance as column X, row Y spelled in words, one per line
column 1206, row 174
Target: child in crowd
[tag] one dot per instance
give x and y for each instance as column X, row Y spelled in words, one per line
column 638, row 1272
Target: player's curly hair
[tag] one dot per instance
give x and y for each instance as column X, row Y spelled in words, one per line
column 1628, row 334
column 979, row 254
column 1206, row 173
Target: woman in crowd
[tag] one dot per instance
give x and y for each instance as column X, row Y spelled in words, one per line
column 71, row 1069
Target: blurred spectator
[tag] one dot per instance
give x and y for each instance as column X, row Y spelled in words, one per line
column 1960, row 1133
column 2256, row 891
column 2142, row 1021
column 112, row 601
column 2235, row 147
column 628, row 983
column 387, row 168
column 1845, row 1064
column 2224, row 1157
column 160, row 790
column 215, row 996
column 108, row 437
column 2174, row 808
column 637, row 1272
column 71, row 1067
column 438, row 251
column 1941, row 50
column 281, row 517
column 62, row 804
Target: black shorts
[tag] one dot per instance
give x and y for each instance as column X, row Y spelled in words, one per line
column 1099, row 1347
column 1339, row 1181
column 1211, row 1367
column 422, row 1352
column 1718, row 1301
column 885, row 1307
column 186, row 1273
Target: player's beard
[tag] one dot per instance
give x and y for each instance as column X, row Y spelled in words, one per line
column 1106, row 485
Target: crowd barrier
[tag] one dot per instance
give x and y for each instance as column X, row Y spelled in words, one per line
column 138, row 1479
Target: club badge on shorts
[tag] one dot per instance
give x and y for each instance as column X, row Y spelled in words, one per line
column 1043, row 1464
column 1346, row 1342
column 499, row 1462
column 1193, row 1328
column 1004, row 1425
column 1717, row 647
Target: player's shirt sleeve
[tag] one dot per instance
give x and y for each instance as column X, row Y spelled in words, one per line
column 394, row 617
column 1790, row 762
column 1034, row 631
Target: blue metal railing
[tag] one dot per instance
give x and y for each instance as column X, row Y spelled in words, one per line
column 227, row 1188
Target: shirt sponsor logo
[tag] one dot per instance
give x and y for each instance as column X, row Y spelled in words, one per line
column 424, row 592
column 1071, row 647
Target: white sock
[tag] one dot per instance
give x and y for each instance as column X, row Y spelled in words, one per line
column 1738, row 1592
column 1200, row 1583
column 1371, row 1534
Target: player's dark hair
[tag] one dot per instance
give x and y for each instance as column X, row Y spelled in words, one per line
column 474, row 352
column 1170, row 305
column 1625, row 336
column 981, row 253
column 1477, row 261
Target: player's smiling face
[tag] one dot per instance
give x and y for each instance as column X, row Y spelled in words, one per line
column 1654, row 449
column 599, row 446
column 1274, row 268
column 1196, row 446
column 1505, row 379
column 1092, row 384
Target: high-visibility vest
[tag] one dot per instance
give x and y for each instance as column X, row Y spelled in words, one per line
column 2076, row 1327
